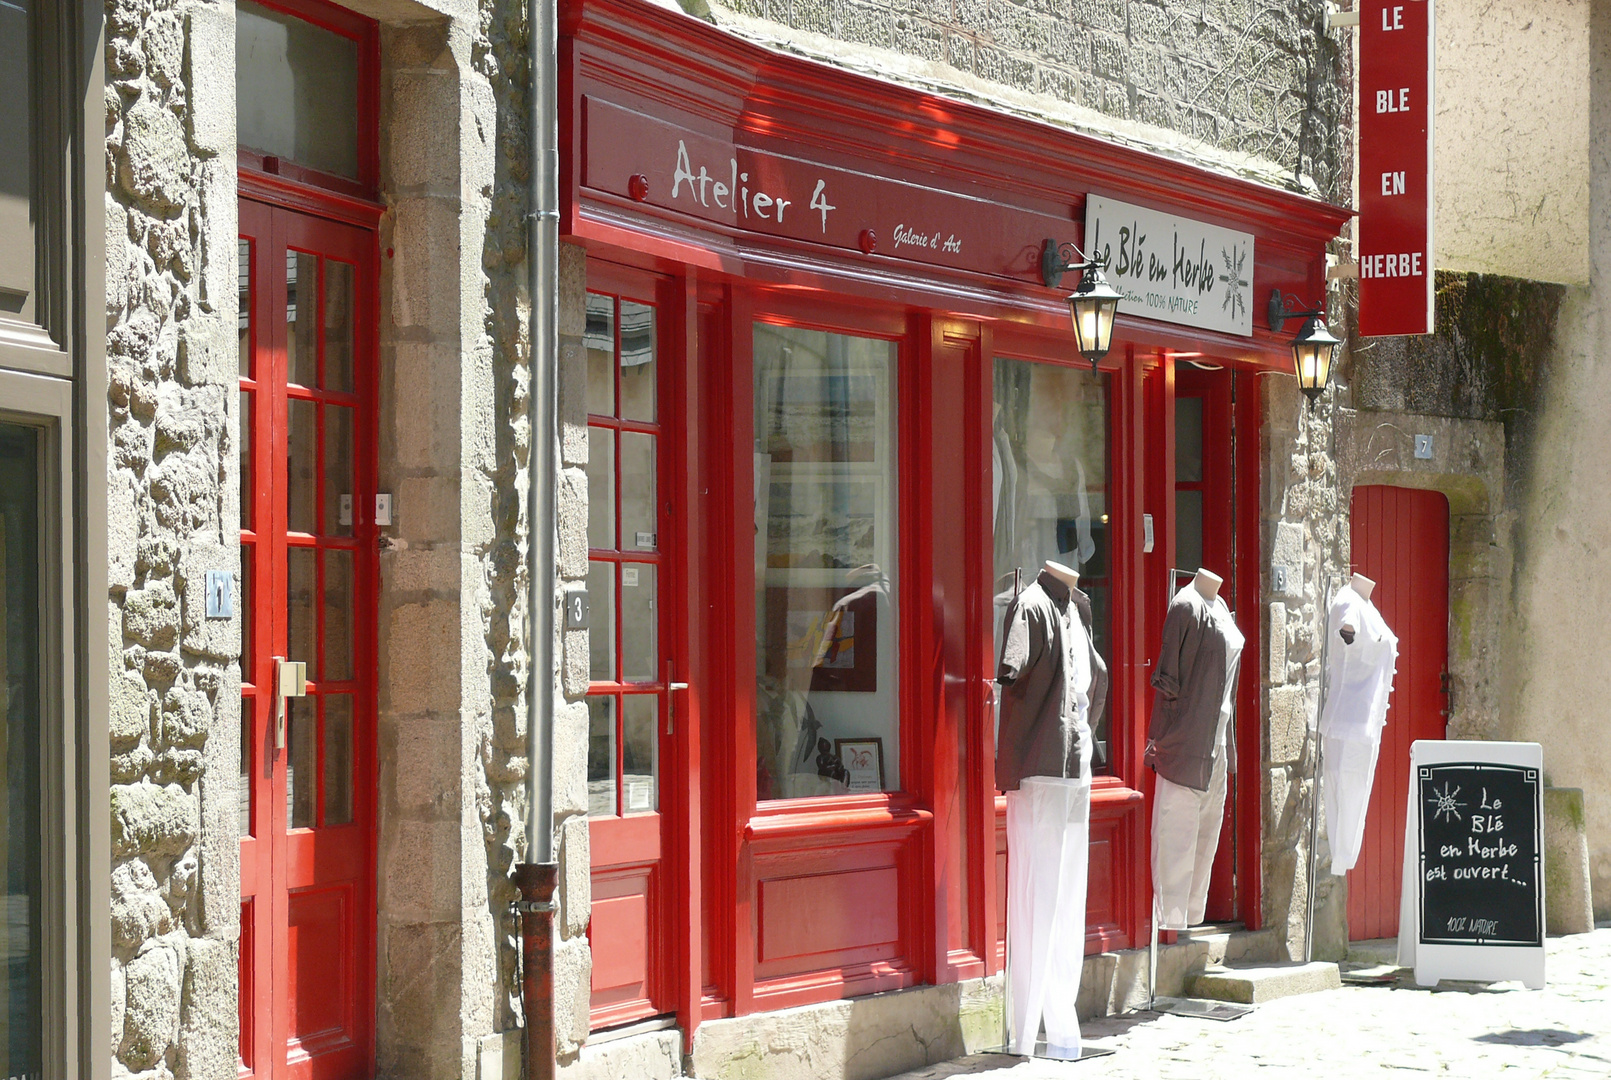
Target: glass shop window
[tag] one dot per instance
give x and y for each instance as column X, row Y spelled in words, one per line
column 296, row 90
column 1050, row 491
column 21, row 823
column 827, row 717
column 17, row 195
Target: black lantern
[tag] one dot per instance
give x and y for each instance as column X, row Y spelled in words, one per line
column 1093, row 304
column 1312, row 350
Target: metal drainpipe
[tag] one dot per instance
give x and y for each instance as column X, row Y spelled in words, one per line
column 538, row 876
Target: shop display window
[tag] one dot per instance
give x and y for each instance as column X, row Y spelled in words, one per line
column 1049, row 488
column 826, row 599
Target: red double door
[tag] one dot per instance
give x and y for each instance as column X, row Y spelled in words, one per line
column 308, row 569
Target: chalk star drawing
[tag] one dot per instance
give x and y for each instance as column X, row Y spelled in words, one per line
column 1447, row 803
column 1234, row 267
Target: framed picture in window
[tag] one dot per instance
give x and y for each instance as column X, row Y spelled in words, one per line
column 864, row 761
column 831, row 631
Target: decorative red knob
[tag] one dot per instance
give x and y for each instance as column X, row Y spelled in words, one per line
column 638, row 187
column 868, row 241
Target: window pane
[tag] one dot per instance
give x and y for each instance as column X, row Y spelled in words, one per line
column 338, row 325
column 640, row 651
column 1050, row 450
column 338, row 458
column 600, row 487
column 601, row 756
column 1188, row 440
column 1188, row 530
column 296, row 89
column 243, row 320
column 600, row 340
column 601, row 618
column 248, row 672
column 638, row 518
column 20, row 707
column 301, row 482
column 338, row 608
column 302, row 765
column 338, row 759
column 243, row 797
column 302, row 318
column 16, row 166
column 826, row 598
column 301, row 565
column 637, row 361
column 640, row 767
column 248, row 486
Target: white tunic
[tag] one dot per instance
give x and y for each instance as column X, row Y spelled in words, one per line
column 1359, row 682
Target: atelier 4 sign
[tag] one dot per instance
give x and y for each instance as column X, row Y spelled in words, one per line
column 1395, row 167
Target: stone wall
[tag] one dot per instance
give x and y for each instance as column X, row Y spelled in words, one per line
column 1306, row 536
column 173, row 514
column 1262, row 80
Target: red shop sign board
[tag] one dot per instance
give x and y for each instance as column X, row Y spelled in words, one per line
column 756, row 190
column 1395, row 167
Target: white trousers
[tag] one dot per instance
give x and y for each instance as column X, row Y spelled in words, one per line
column 1185, row 835
column 1048, row 836
column 1349, row 773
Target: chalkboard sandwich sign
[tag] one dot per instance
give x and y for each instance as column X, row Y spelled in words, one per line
column 1473, row 899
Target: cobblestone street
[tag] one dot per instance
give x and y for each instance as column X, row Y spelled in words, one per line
column 1459, row 1030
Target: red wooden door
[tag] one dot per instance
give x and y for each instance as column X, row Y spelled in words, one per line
column 633, row 578
column 1400, row 540
column 308, row 561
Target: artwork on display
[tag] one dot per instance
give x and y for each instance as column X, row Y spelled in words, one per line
column 863, row 761
column 824, row 525
column 833, row 632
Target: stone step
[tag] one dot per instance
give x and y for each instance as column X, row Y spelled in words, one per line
column 1256, row 985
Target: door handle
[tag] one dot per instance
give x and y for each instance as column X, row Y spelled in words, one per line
column 671, row 702
column 290, row 680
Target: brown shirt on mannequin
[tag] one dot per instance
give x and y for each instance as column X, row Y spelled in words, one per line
column 1039, row 733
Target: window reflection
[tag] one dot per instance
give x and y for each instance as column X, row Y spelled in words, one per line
column 1050, row 487
column 825, row 546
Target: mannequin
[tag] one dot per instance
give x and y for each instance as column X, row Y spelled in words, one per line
column 1360, row 659
column 1207, row 583
column 1191, row 745
column 1062, row 573
column 1054, row 688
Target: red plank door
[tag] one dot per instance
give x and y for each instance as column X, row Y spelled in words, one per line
column 1400, row 540
column 308, row 566
column 632, row 580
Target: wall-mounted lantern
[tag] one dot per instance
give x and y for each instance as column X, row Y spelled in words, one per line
column 1312, row 350
column 1093, row 304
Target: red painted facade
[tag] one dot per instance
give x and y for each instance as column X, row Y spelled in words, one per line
column 917, row 220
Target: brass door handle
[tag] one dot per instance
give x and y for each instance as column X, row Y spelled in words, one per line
column 290, row 680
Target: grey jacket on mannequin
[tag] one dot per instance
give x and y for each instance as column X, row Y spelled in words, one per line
column 1039, row 734
column 1190, row 683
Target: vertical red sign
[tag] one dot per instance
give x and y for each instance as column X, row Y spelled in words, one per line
column 1395, row 167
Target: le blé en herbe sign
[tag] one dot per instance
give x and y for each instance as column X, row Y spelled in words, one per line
column 1475, row 885
column 1173, row 268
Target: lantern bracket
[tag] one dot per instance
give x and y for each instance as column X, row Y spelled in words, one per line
column 1279, row 313
column 1057, row 259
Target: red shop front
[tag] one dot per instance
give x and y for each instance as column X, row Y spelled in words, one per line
column 832, row 409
